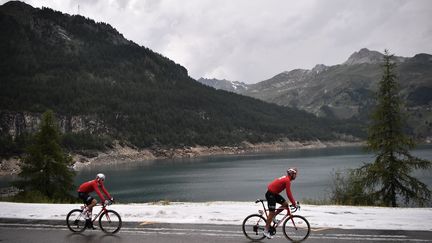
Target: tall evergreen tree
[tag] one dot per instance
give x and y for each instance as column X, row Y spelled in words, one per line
column 45, row 167
column 388, row 179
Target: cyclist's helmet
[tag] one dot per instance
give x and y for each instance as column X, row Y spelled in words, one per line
column 292, row 172
column 100, row 177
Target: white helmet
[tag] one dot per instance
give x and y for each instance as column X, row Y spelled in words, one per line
column 100, row 176
column 292, row 171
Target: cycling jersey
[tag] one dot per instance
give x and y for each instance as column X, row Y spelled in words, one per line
column 279, row 184
column 91, row 186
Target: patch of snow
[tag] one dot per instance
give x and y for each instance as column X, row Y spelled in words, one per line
column 345, row 217
column 63, row 33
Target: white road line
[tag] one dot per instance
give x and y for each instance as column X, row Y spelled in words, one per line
column 181, row 233
column 368, row 239
column 32, row 225
column 361, row 235
column 319, row 229
column 186, row 229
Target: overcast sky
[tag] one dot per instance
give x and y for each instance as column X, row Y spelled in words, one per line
column 253, row 40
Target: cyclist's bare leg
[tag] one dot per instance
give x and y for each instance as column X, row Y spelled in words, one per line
column 92, row 204
column 270, row 217
column 282, row 208
column 88, row 212
column 89, row 207
column 273, row 214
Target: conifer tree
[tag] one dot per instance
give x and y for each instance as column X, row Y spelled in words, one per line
column 388, row 180
column 45, row 167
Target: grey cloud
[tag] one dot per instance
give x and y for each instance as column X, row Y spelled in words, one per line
column 252, row 40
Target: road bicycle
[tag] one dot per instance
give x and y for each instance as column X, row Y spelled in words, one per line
column 109, row 220
column 295, row 227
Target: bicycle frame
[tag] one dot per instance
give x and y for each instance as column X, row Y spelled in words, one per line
column 275, row 225
column 103, row 209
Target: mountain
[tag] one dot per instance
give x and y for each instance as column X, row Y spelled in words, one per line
column 336, row 91
column 364, row 56
column 367, row 56
column 232, row 86
column 102, row 86
column 347, row 91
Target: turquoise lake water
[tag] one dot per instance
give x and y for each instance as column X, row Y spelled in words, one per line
column 233, row 177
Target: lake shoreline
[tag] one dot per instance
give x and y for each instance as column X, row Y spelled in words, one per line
column 126, row 154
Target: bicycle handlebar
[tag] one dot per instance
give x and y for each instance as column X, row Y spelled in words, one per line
column 294, row 209
column 105, row 204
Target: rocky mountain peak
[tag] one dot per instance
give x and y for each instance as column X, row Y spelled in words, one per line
column 364, row 56
column 319, row 68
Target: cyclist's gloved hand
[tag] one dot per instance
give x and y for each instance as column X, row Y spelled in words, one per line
column 295, row 206
column 112, row 199
column 107, row 202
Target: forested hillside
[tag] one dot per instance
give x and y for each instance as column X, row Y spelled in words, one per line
column 83, row 70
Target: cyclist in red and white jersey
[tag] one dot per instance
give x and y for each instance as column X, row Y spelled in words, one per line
column 273, row 196
column 84, row 191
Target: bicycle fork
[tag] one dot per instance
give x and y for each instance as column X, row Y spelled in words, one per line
column 292, row 220
column 107, row 215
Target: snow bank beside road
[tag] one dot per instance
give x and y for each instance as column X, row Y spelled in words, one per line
column 345, row 217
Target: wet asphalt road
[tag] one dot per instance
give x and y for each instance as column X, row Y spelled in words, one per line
column 35, row 231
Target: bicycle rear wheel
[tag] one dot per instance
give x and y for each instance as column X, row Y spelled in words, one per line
column 75, row 220
column 253, row 227
column 296, row 228
column 110, row 222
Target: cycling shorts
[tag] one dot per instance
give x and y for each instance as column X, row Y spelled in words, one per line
column 272, row 199
column 87, row 199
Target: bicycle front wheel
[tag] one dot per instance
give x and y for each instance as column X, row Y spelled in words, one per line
column 75, row 220
column 110, row 222
column 296, row 228
column 254, row 226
